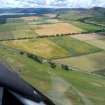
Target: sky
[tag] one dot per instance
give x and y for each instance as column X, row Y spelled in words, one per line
column 51, row 3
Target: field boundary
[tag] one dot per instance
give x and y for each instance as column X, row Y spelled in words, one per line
column 48, row 36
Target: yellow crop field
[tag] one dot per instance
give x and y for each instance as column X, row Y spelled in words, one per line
column 57, row 28
column 40, row 47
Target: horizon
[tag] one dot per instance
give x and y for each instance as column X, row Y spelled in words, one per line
column 48, row 7
column 51, row 3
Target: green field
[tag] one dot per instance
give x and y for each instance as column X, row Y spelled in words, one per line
column 87, row 27
column 74, row 17
column 61, row 86
column 56, row 47
column 84, row 83
column 15, row 28
column 20, row 28
column 8, row 27
column 97, row 20
column 75, row 47
column 42, row 20
column 88, row 63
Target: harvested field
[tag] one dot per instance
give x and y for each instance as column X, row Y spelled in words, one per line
column 89, row 63
column 40, row 47
column 85, row 37
column 58, row 28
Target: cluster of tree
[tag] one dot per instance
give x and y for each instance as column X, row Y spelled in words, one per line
column 63, row 66
column 66, row 67
column 66, row 34
column 16, row 38
column 33, row 57
column 52, row 64
column 36, row 58
column 42, row 60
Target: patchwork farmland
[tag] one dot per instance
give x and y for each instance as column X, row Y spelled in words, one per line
column 75, row 47
column 72, row 84
column 74, row 52
column 42, row 47
column 53, row 48
column 87, row 63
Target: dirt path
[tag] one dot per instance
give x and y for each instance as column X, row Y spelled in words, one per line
column 60, row 86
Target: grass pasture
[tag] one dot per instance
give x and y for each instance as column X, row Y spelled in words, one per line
column 40, row 47
column 86, row 27
column 74, row 47
column 16, row 28
column 8, row 27
column 88, row 63
column 62, row 87
column 39, row 20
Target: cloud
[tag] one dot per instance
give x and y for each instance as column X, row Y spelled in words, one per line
column 52, row 3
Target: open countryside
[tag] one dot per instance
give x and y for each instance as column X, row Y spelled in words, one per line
column 60, row 53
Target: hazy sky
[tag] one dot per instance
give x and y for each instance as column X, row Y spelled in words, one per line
column 52, row 3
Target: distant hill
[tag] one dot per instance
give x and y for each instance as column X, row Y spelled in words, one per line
column 35, row 11
column 76, row 14
column 63, row 12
